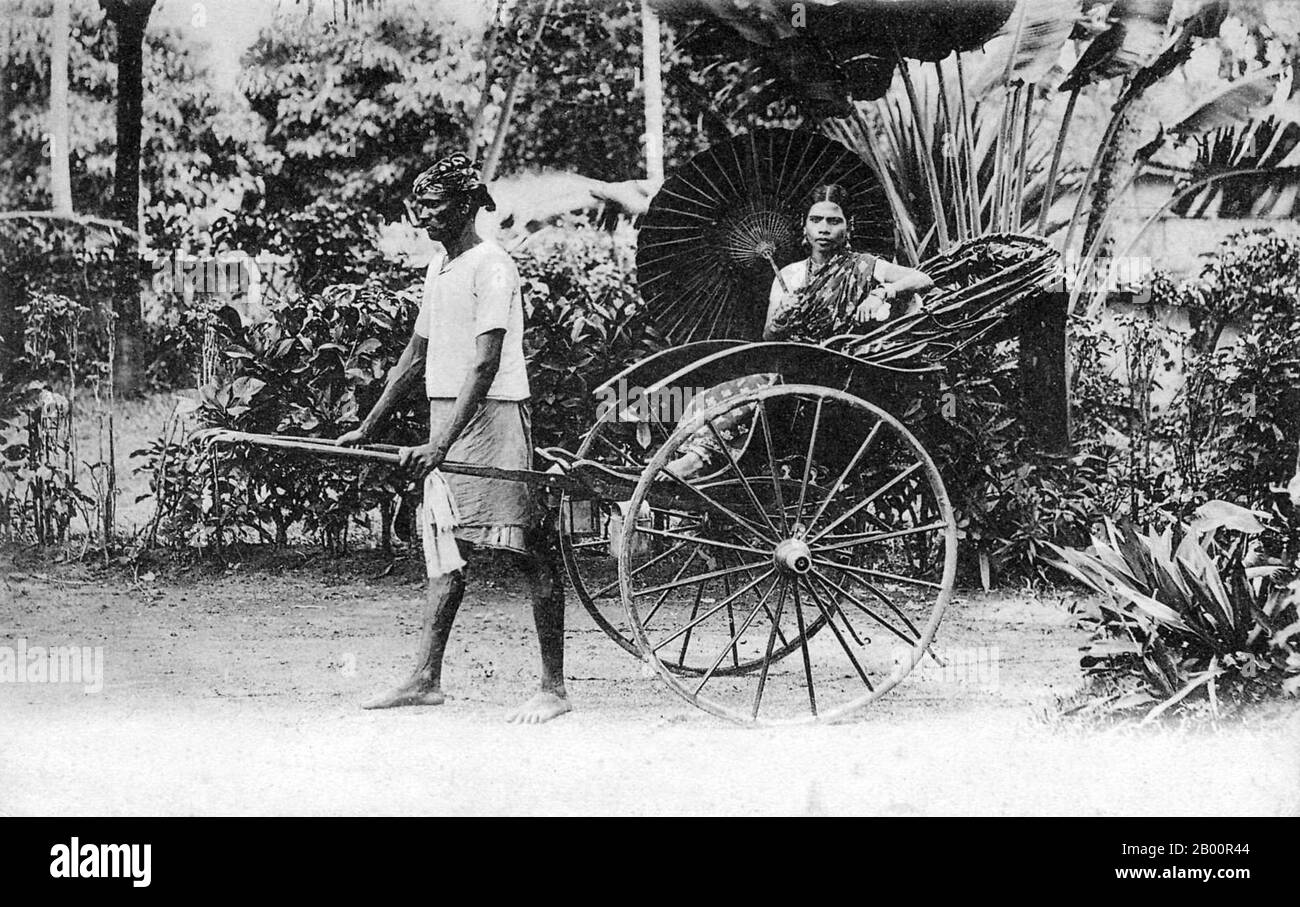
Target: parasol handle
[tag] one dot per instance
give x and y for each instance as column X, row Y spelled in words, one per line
column 771, row 259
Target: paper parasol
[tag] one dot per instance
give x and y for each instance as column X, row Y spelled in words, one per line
column 725, row 221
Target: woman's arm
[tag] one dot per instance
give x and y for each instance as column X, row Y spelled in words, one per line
column 897, row 280
column 779, row 305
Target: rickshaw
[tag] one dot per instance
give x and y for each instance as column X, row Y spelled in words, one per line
column 803, row 573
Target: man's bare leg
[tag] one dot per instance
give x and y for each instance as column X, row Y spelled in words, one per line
column 424, row 687
column 552, row 700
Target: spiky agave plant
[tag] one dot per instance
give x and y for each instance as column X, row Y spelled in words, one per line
column 1191, row 607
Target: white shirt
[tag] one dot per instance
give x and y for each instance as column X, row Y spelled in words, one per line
column 475, row 293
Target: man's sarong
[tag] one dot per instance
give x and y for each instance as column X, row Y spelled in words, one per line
column 494, row 513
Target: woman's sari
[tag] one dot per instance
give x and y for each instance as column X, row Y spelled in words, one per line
column 826, row 302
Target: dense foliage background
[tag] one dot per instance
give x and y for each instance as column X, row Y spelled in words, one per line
column 330, row 119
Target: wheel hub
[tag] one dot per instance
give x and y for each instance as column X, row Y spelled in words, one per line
column 793, row 556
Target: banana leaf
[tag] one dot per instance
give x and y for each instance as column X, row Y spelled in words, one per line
column 1237, row 102
column 1029, row 44
column 1133, row 40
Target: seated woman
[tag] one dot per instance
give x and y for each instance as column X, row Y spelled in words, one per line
column 832, row 291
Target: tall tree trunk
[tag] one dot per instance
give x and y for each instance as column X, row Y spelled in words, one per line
column 129, row 18
column 497, row 149
column 493, row 158
column 654, row 94
column 60, row 179
column 479, row 121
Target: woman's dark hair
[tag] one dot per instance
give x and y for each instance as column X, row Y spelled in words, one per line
column 828, row 192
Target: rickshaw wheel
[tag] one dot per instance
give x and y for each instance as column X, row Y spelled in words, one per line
column 580, row 545
column 830, row 511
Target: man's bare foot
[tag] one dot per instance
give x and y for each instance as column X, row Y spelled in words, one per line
column 414, row 692
column 543, row 706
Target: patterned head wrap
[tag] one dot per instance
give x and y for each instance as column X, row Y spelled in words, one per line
column 454, row 176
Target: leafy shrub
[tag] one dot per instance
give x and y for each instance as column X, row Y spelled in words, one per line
column 1010, row 500
column 54, row 276
column 1229, row 431
column 1194, row 606
column 585, row 322
column 38, row 491
column 56, row 343
column 329, row 242
column 1118, row 423
column 306, row 371
column 179, row 341
column 1239, row 414
column 59, row 279
column 320, row 362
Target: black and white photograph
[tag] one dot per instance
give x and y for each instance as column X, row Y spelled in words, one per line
column 694, row 408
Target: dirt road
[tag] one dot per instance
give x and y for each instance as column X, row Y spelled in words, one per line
column 236, row 693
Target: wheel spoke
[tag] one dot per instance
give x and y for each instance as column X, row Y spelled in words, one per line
column 771, row 644
column 835, row 606
column 867, row 539
column 803, row 644
column 727, row 582
column 731, row 627
column 712, row 543
column 714, row 610
column 702, row 577
column 646, row 566
column 735, row 637
column 870, row 517
column 808, row 460
column 834, row 489
column 879, row 574
column 771, row 464
column 744, row 480
column 883, row 598
column 663, row 596
column 830, row 620
column 695, row 609
column 867, row 500
column 853, row 599
column 731, row 615
column 721, row 508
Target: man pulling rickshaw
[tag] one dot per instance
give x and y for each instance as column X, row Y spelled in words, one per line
column 788, row 512
column 468, row 344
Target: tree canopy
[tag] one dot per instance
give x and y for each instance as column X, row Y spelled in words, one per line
column 196, row 146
